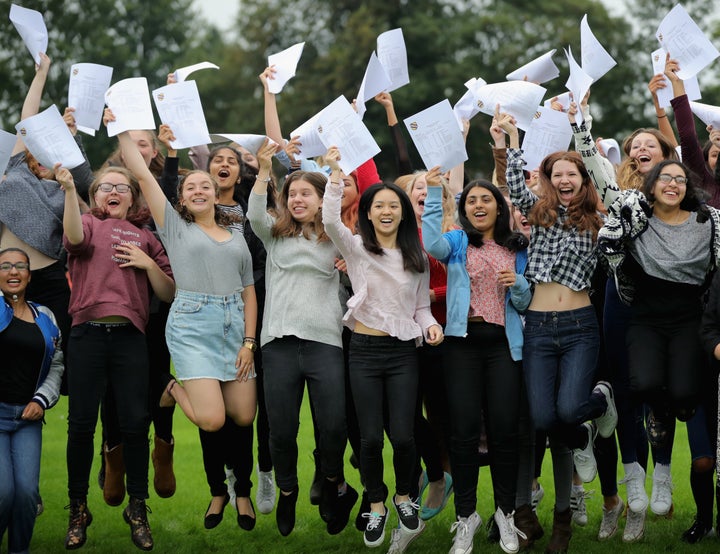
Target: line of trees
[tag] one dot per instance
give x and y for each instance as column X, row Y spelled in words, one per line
column 448, row 41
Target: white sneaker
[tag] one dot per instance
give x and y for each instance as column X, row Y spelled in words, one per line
column 634, row 526
column 607, row 422
column 635, row 484
column 609, row 524
column 266, row 493
column 584, row 458
column 400, row 539
column 577, row 505
column 536, row 496
column 508, row 532
column 465, row 529
column 230, row 476
column 661, row 498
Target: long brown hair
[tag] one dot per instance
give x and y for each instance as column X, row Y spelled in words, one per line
column 628, row 176
column 286, row 226
column 157, row 164
column 582, row 211
column 138, row 213
column 222, row 218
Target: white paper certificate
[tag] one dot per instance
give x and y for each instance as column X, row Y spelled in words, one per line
column 48, row 138
column 179, row 106
column 435, row 133
column 86, row 93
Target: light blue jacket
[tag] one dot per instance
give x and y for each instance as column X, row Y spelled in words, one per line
column 451, row 249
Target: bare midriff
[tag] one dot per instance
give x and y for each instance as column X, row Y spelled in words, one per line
column 554, row 297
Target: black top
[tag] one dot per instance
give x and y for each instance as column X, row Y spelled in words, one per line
column 22, row 348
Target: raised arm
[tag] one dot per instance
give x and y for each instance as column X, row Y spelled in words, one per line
column 656, row 83
column 456, row 180
column 434, row 241
column 272, row 120
column 341, row 236
column 31, row 105
column 72, row 219
column 151, row 190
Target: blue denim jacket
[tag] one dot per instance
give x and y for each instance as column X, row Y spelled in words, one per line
column 48, row 385
column 451, row 249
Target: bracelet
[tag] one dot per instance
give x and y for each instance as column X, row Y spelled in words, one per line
column 334, row 183
column 252, row 346
column 661, row 116
column 268, row 180
column 250, row 339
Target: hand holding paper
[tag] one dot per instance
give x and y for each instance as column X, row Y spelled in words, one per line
column 129, row 101
column 48, row 138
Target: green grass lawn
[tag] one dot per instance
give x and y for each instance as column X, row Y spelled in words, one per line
column 177, row 522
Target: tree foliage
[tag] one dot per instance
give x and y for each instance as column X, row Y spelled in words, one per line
column 448, row 41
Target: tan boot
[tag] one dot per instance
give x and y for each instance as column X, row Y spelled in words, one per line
column 162, row 459
column 561, row 532
column 114, row 487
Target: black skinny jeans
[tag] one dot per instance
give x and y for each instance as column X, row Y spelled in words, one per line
column 289, row 363
column 384, row 368
column 100, row 355
column 481, row 375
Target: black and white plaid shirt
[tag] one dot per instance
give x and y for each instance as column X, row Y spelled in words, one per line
column 557, row 254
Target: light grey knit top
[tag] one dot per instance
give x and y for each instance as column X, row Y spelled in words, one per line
column 301, row 281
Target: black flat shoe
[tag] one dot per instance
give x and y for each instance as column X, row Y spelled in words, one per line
column 245, row 521
column 213, row 520
column 697, row 532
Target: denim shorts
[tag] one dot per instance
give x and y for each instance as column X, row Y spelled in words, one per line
column 204, row 334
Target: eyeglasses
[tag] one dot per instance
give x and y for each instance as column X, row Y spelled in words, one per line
column 122, row 188
column 20, row 266
column 667, row 178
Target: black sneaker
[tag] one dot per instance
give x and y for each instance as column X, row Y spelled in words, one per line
column 360, row 523
column 328, row 500
column 135, row 514
column 374, row 534
column 285, row 512
column 343, row 507
column 407, row 512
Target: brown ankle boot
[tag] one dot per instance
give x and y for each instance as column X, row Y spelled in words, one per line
column 114, row 486
column 561, row 533
column 527, row 521
column 162, row 459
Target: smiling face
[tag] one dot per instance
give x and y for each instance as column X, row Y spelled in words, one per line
column 418, row 193
column 646, row 150
column 225, row 167
column 350, row 192
column 14, row 281
column 115, row 203
column 199, row 194
column 303, row 201
column 670, row 195
column 566, row 179
column 145, row 145
column 385, row 213
column 481, row 210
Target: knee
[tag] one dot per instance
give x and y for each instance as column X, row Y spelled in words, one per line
column 371, row 445
column 703, row 465
column 568, row 412
column 212, row 424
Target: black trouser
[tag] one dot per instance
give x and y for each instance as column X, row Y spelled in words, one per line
column 385, row 368
column 481, row 375
column 101, row 355
column 289, row 363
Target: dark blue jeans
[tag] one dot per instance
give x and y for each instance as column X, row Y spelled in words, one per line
column 560, row 356
column 384, row 368
column 289, row 363
column 99, row 356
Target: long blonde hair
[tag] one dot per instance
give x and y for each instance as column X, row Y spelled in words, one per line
column 407, row 182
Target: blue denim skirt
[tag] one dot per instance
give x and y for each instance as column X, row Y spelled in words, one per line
column 204, row 333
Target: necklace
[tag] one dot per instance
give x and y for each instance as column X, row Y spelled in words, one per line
column 19, row 313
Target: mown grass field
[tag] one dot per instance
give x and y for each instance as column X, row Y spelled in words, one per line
column 177, row 522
